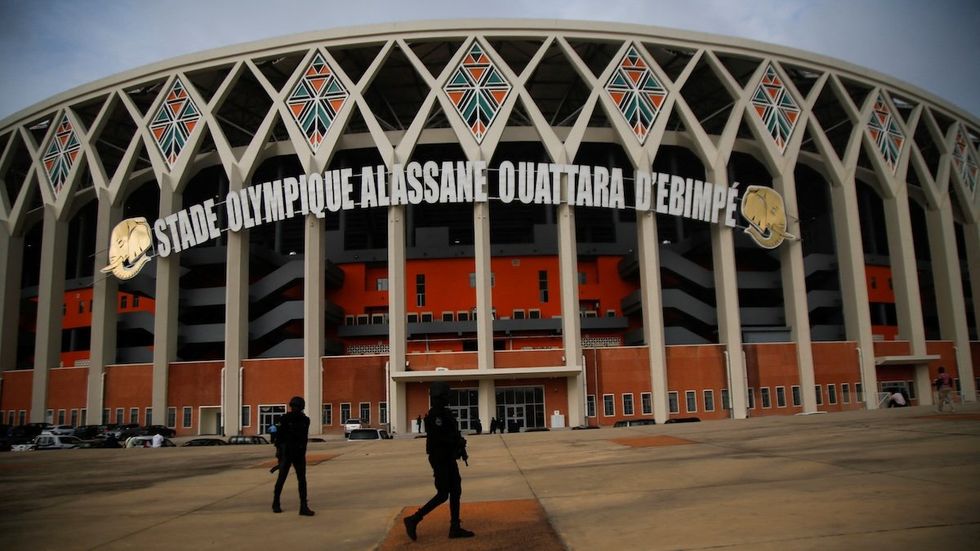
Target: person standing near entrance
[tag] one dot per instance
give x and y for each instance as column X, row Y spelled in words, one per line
column 291, row 439
column 944, row 384
column 444, row 445
column 418, row 423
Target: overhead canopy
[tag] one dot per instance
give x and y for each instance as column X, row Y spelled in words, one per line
column 912, row 359
column 478, row 374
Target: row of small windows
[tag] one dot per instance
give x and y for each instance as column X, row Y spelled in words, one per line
column 629, row 408
column 382, row 285
column 123, row 303
column 363, row 413
column 429, row 317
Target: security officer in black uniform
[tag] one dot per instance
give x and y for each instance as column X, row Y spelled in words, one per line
column 444, row 445
column 291, row 438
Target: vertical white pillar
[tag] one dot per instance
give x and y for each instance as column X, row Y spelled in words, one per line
column 971, row 234
column 105, row 289
column 648, row 246
column 236, row 326
column 51, row 297
column 726, row 302
column 949, row 292
column 484, row 308
column 12, row 253
column 167, row 310
column 314, row 289
column 794, row 294
column 571, row 329
column 853, row 286
column 397, row 318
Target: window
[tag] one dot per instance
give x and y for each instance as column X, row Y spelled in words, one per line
column 61, row 417
column 819, row 395
column 845, row 393
column 608, row 405
column 672, row 404
column 344, row 413
column 188, row 411
column 956, row 383
column 21, row 417
column 327, row 418
column 543, row 285
column 518, row 314
column 627, row 404
column 105, row 416
column 582, row 279
column 462, row 315
column 751, row 398
column 646, row 403
column 766, row 397
column 420, row 290
column 246, row 416
column 81, row 307
column 172, row 417
column 349, row 320
column 119, row 416
column 134, row 415
column 383, row 413
column 366, row 413
column 534, row 314
column 911, row 387
column 49, row 416
column 379, row 319
column 859, row 389
column 610, row 313
column 11, row 415
column 709, row 400
column 691, row 399
column 413, row 317
column 725, row 403
column 832, row 393
column 426, row 317
column 148, row 416
column 136, row 302
column 780, row 396
column 363, row 319
column 382, row 284
column 123, row 302
column 84, row 420
column 74, row 417
column 448, row 316
column 589, row 405
column 797, row 397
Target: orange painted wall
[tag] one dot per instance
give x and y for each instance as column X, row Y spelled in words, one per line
column 892, row 348
column 78, row 313
column 837, row 363
column 879, row 283
column 449, row 360
column 771, row 366
column 192, row 384
column 528, row 358
column 126, row 386
column 16, row 393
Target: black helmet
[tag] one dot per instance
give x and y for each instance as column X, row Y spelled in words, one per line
column 297, row 402
column 439, row 389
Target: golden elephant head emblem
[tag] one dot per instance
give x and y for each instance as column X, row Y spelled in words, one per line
column 129, row 246
column 763, row 208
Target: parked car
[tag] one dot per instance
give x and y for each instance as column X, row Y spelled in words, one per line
column 92, row 443
column 350, row 425
column 368, row 434
column 124, row 432
column 146, row 442
column 166, row 432
column 88, row 432
column 50, row 441
column 243, row 439
column 205, row 442
column 30, row 430
column 634, row 422
column 66, row 430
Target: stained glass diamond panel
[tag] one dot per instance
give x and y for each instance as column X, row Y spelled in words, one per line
column 636, row 92
column 885, row 133
column 477, row 90
column 174, row 122
column 61, row 154
column 776, row 107
column 316, row 100
column 965, row 161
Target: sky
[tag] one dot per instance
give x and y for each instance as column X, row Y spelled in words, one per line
column 49, row 46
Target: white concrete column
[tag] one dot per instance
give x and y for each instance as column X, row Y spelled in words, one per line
column 51, row 297
column 314, row 299
column 949, row 292
column 853, row 285
column 905, row 276
column 487, row 398
column 12, row 253
column 236, row 327
column 167, row 298
column 726, row 304
column 648, row 250
column 397, row 318
column 105, row 293
column 971, row 234
column 571, row 333
column 487, row 402
column 794, row 293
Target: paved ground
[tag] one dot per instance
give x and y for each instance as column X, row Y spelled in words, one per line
column 887, row 479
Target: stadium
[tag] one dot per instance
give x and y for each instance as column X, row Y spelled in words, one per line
column 572, row 223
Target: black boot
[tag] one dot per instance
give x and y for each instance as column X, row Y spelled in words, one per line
column 457, row 531
column 411, row 523
column 305, row 510
column 275, row 506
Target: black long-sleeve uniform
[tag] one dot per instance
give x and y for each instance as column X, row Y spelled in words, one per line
column 443, row 443
column 291, row 441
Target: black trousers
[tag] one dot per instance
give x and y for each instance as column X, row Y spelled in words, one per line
column 298, row 462
column 449, row 485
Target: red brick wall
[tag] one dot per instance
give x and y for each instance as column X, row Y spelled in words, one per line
column 67, row 390
column 126, row 386
column 772, row 366
column 16, row 393
column 837, row 364
column 193, row 384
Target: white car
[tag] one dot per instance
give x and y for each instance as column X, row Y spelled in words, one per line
column 351, row 424
column 50, row 441
column 62, row 430
column 368, row 434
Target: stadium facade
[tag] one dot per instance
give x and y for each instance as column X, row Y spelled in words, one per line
column 573, row 223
